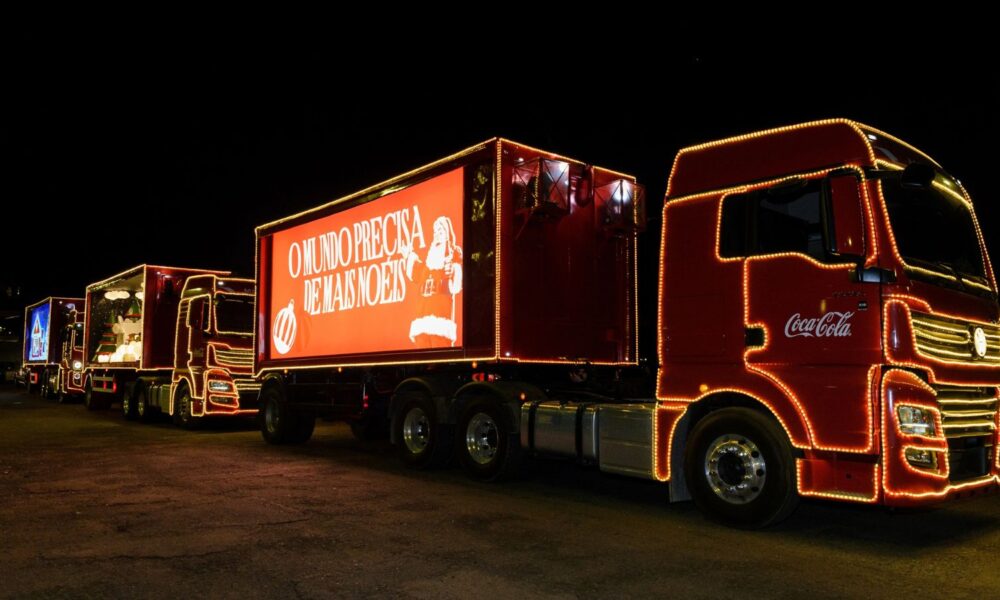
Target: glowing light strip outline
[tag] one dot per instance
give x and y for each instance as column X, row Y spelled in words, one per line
column 987, row 264
column 384, row 183
column 499, row 355
column 901, row 300
column 848, row 496
column 26, row 363
column 202, row 371
column 879, row 133
column 846, row 266
column 498, row 251
column 89, row 366
column 795, row 443
column 948, row 489
column 668, row 441
column 857, row 127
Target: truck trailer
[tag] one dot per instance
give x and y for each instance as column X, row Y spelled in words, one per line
column 53, row 347
column 827, row 321
column 165, row 340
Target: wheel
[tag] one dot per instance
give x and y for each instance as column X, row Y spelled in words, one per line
column 90, row 399
column 740, row 468
column 422, row 442
column 62, row 395
column 43, row 385
column 278, row 424
column 182, row 409
column 128, row 406
column 489, row 447
column 142, row 409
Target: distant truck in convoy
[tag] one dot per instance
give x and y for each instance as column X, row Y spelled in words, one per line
column 827, row 321
column 164, row 340
column 53, row 347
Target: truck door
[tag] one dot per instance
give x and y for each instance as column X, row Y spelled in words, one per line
column 811, row 326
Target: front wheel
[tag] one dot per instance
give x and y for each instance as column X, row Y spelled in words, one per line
column 90, row 400
column 278, row 424
column 740, row 469
column 182, row 409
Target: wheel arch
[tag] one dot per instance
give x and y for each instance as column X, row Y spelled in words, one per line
column 794, row 428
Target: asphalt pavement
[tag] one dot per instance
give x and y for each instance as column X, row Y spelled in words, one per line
column 94, row 506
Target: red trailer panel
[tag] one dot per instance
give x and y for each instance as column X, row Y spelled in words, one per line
column 500, row 252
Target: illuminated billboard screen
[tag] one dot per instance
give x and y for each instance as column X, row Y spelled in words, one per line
column 380, row 277
column 38, row 333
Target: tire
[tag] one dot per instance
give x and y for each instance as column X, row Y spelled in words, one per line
column 142, row 409
column 43, row 386
column 182, row 409
column 128, row 406
column 62, row 395
column 278, row 424
column 90, row 400
column 489, row 448
column 421, row 441
column 740, row 469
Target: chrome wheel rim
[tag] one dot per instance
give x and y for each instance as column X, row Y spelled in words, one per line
column 126, row 405
column 140, row 407
column 416, row 430
column 482, row 438
column 735, row 469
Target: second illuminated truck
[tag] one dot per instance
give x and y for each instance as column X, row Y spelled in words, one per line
column 165, row 340
column 827, row 320
column 53, row 347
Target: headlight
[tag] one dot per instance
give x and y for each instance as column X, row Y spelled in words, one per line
column 915, row 421
column 220, row 386
column 77, row 365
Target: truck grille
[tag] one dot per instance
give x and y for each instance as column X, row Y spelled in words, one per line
column 968, row 417
column 234, row 357
column 246, row 385
column 951, row 339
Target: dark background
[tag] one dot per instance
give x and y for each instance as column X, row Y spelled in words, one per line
column 169, row 143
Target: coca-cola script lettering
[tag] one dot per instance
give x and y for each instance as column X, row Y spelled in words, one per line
column 832, row 324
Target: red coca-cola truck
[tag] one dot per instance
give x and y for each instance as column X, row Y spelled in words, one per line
column 827, row 320
column 53, row 347
column 165, row 340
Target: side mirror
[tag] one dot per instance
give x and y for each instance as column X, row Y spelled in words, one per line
column 844, row 217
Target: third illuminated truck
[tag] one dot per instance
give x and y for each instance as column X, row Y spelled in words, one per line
column 172, row 341
column 826, row 323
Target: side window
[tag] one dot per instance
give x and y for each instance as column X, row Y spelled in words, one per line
column 781, row 219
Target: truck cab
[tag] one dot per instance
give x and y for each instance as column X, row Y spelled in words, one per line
column 69, row 382
column 833, row 280
column 213, row 361
column 53, row 347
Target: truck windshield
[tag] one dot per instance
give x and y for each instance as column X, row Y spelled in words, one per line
column 935, row 233
column 234, row 314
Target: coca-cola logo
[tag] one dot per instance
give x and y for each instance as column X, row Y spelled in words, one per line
column 831, row 324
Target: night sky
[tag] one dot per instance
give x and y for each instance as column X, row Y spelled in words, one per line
column 170, row 145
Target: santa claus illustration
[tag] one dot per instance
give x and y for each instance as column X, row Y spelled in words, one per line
column 437, row 281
